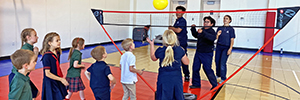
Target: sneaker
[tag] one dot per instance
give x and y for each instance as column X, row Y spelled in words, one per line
column 217, row 77
column 221, row 81
column 187, row 78
column 193, row 86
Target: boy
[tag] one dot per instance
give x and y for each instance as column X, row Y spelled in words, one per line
column 204, row 52
column 99, row 75
column 179, row 28
column 24, row 61
column 128, row 71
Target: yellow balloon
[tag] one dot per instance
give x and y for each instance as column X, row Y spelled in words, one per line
column 160, row 4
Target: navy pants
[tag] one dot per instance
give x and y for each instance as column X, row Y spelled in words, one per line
column 185, row 68
column 206, row 60
column 220, row 60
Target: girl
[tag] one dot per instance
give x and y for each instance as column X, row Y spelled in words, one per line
column 28, row 37
column 73, row 76
column 53, row 82
column 169, row 76
column 225, row 39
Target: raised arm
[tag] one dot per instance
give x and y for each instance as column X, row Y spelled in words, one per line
column 210, row 35
column 153, row 58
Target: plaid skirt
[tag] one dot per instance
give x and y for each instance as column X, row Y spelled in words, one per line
column 75, row 84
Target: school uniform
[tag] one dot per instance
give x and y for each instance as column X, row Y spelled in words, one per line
column 34, row 89
column 20, row 89
column 73, row 76
column 52, row 89
column 223, row 44
column 204, row 55
column 99, row 81
column 182, row 38
column 169, row 80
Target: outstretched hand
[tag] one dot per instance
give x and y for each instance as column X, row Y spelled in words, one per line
column 149, row 41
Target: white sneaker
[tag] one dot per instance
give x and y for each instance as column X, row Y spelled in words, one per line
column 217, row 77
column 221, row 81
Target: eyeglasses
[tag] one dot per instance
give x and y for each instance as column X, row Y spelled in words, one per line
column 206, row 21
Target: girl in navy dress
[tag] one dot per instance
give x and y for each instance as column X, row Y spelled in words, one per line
column 225, row 39
column 54, row 85
column 169, row 80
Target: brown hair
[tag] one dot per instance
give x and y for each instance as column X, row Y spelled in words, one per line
column 228, row 17
column 75, row 43
column 49, row 38
column 21, row 57
column 126, row 44
column 26, row 32
column 169, row 40
column 98, row 52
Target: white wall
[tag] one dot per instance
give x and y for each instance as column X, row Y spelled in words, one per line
column 70, row 18
column 289, row 37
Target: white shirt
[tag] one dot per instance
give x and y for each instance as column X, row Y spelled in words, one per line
column 127, row 77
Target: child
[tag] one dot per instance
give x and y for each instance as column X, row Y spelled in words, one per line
column 171, row 56
column 99, row 75
column 225, row 40
column 53, row 82
column 179, row 28
column 24, row 61
column 73, row 76
column 204, row 52
column 29, row 37
column 128, row 71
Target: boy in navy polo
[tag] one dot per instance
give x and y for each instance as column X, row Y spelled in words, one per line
column 179, row 28
column 204, row 52
column 99, row 75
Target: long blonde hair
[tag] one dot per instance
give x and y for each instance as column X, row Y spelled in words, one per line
column 169, row 40
column 49, row 38
column 75, row 43
column 26, row 32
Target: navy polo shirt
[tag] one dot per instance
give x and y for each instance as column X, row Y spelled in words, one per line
column 226, row 35
column 205, row 40
column 175, row 69
column 182, row 36
column 99, row 72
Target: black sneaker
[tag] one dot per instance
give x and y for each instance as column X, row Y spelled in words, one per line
column 193, row 86
column 187, row 79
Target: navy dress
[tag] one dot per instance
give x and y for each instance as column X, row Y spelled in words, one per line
column 52, row 89
column 169, row 80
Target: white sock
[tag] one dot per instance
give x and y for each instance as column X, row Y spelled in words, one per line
column 69, row 95
column 81, row 94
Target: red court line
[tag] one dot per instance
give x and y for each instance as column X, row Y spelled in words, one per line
column 220, row 11
column 122, row 54
column 240, row 67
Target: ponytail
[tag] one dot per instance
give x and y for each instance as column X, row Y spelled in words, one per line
column 169, row 57
column 169, row 40
column 70, row 53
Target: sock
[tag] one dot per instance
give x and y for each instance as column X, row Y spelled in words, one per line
column 81, row 94
column 69, row 95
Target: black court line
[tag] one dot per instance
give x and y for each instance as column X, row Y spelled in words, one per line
column 258, row 90
column 267, row 77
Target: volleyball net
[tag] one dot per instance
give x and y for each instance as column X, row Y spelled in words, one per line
column 161, row 20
